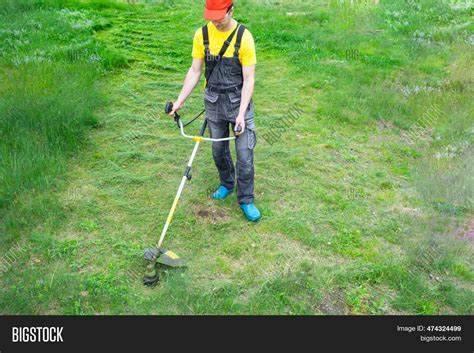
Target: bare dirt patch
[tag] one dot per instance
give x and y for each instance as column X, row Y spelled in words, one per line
column 212, row 214
column 334, row 303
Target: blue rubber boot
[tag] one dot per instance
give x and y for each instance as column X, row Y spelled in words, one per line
column 221, row 193
column 251, row 212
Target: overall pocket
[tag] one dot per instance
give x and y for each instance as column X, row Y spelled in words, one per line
column 248, row 139
column 235, row 96
column 252, row 132
column 211, row 104
column 233, row 105
column 235, row 72
column 252, row 138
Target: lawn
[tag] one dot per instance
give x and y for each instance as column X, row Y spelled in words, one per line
column 364, row 161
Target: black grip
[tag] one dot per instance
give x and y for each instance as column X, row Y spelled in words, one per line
column 237, row 128
column 169, row 108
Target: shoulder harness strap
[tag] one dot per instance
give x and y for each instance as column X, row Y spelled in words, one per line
column 238, row 41
column 205, row 37
column 227, row 43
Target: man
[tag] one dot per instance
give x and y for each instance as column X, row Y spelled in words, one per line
column 227, row 98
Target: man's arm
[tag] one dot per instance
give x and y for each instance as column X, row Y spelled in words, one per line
column 192, row 79
column 247, row 92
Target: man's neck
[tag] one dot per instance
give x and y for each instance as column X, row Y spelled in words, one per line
column 229, row 26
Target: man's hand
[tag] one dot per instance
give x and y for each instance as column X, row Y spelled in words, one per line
column 176, row 106
column 240, row 121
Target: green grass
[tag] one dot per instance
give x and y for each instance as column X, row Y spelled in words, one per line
column 356, row 219
column 49, row 66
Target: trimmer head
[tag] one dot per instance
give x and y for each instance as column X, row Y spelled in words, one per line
column 161, row 256
column 164, row 257
column 151, row 277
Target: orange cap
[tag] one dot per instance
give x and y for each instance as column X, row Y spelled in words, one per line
column 216, row 9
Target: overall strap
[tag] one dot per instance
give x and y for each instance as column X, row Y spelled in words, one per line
column 238, row 41
column 227, row 43
column 205, row 37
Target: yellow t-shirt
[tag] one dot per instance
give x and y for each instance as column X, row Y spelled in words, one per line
column 247, row 56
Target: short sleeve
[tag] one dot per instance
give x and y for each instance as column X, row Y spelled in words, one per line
column 248, row 56
column 198, row 46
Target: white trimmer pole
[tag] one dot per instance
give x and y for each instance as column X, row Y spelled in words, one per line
column 178, row 194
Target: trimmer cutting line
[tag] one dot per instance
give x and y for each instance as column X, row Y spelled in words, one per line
column 159, row 254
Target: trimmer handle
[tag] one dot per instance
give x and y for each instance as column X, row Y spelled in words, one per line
column 169, row 108
column 238, row 128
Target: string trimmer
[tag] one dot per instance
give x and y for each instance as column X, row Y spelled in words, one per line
column 159, row 254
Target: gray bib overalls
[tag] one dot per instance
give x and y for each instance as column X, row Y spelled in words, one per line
column 222, row 102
